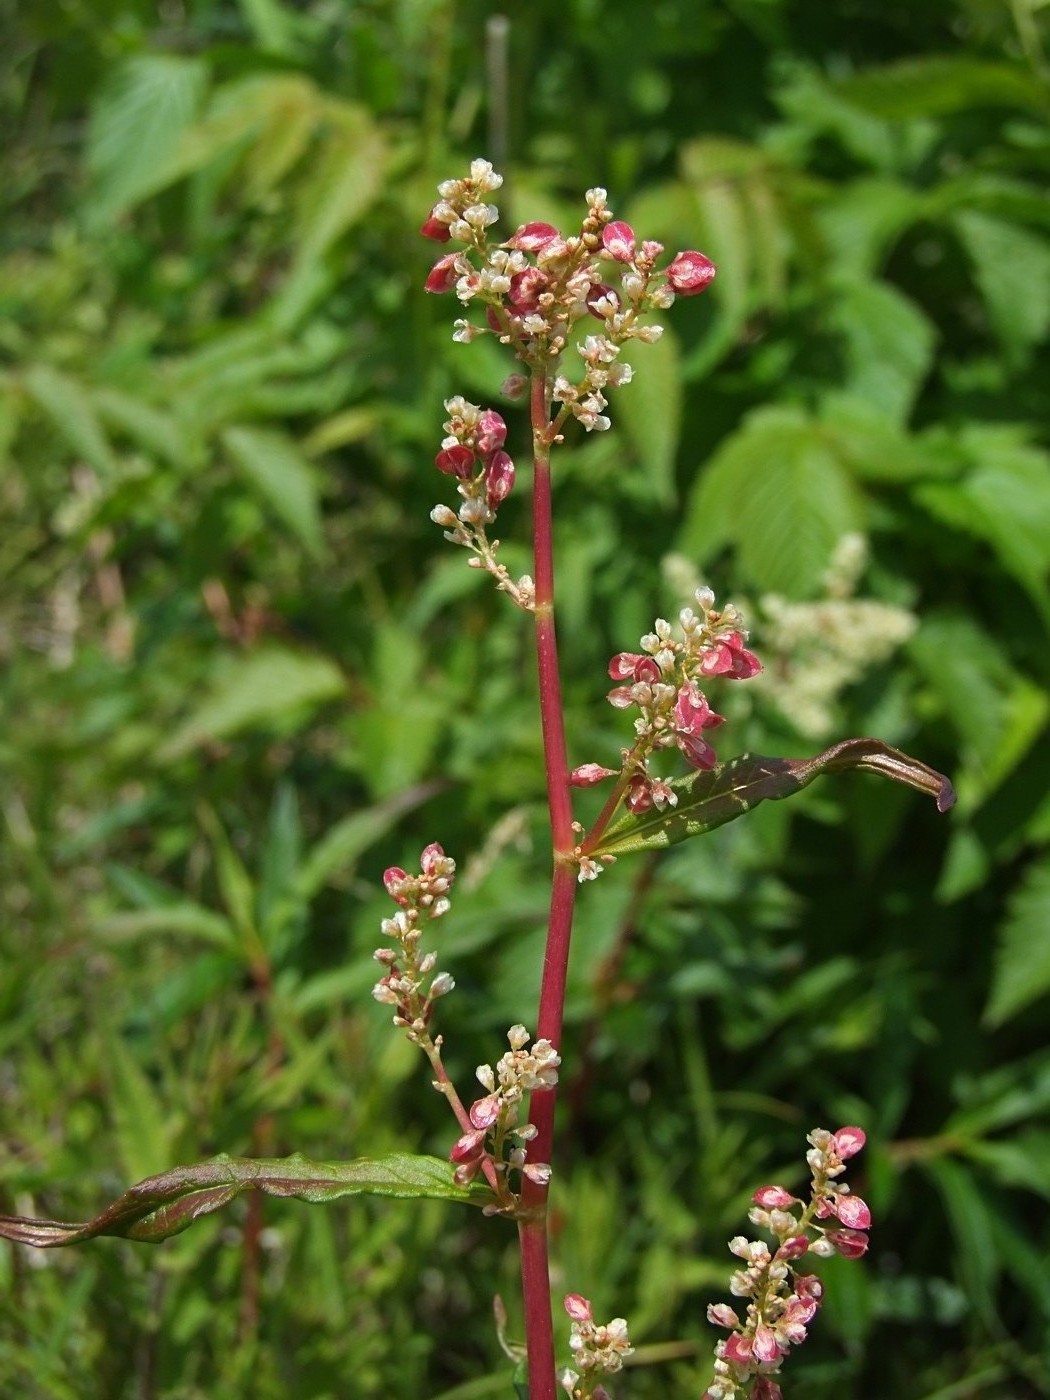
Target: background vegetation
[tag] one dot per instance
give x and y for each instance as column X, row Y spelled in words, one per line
column 242, row 674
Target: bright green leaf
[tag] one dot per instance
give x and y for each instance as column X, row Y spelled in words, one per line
column 283, row 477
column 1021, row 973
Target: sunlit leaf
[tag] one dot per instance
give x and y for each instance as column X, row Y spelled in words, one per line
column 164, row 1205
column 283, row 477
column 1021, row 973
column 710, row 799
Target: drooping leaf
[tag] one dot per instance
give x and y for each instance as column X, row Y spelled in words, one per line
column 710, row 799
column 283, row 477
column 1021, row 973
column 268, row 687
column 165, row 1205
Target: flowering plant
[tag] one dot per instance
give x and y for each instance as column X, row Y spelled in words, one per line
column 534, row 291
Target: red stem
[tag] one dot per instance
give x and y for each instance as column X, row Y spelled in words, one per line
column 535, row 1271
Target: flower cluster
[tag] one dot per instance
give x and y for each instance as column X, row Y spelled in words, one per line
column 664, row 682
column 539, row 283
column 472, row 452
column 596, row 1350
column 420, row 898
column 496, row 1135
column 782, row 1303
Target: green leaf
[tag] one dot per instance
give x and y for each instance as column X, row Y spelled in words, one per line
column 970, row 1211
column 650, row 411
column 283, row 477
column 270, row 687
column 710, row 799
column 1011, row 266
column 1021, row 973
column 889, row 346
column 926, row 87
column 143, row 1134
column 69, row 407
column 186, row 920
column 778, row 492
column 137, row 122
column 164, row 1205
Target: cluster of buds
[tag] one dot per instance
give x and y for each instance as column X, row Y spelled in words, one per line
column 539, row 283
column 472, row 452
column 782, row 1303
column 596, row 1350
column 410, row 984
column 664, row 681
column 496, row 1135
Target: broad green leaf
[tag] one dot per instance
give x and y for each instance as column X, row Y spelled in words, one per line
column 71, row 410
column 889, row 346
column 344, row 181
column 283, row 477
column 143, row 1132
column 151, row 428
column 271, row 687
column 927, row 87
column 137, row 122
column 777, row 492
column 1021, row 973
column 865, row 220
column 164, row 1205
column 1011, row 266
column 649, row 410
column 710, row 799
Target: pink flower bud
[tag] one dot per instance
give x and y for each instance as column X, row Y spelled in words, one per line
column 530, row 238
column 618, row 239
column 491, row 432
column 430, row 857
column 690, row 273
column 730, row 658
column 737, row 1349
column 765, row 1347
column 525, row 289
column 468, row 1148
column 393, row 879
column 436, row 229
column 722, row 1315
column 499, row 479
column 851, row 1244
column 766, row 1389
column 774, row 1197
column 539, row 1173
column 484, row 1112
column 852, row 1211
column 793, row 1247
column 514, row 386
column 590, row 773
column 629, row 665
column 443, row 275
column 578, row 1307
column 847, row 1142
column 455, row 461
column 639, row 796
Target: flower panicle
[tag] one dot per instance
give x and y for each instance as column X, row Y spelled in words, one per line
column 536, row 286
column 597, row 1349
column 497, row 1135
column 411, row 984
column 781, row 1301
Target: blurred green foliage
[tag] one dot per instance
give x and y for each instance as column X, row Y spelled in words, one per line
column 242, row 674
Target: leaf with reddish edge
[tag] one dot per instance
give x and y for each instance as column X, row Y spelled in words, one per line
column 707, row 799
column 164, row 1205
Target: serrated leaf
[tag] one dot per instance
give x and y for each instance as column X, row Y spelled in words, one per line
column 1011, row 266
column 1021, row 973
column 926, row 87
column 137, row 122
column 778, row 492
column 283, row 477
column 889, row 346
column 270, row 686
column 710, row 799
column 649, row 410
column 164, row 1205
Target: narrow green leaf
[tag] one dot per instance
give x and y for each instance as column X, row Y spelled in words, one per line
column 164, row 1205
column 1021, row 973
column 650, row 411
column 70, row 409
column 269, row 687
column 186, row 920
column 710, row 799
column 283, row 477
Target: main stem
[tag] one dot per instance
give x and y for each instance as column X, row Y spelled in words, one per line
column 532, row 1229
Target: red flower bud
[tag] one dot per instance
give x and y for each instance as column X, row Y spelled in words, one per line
column 499, row 479
column 852, row 1211
column 590, row 773
column 847, row 1142
column 774, row 1198
column 851, row 1244
column 455, row 461
column 491, row 433
column 436, row 229
column 530, row 238
column 690, row 273
column 443, row 275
